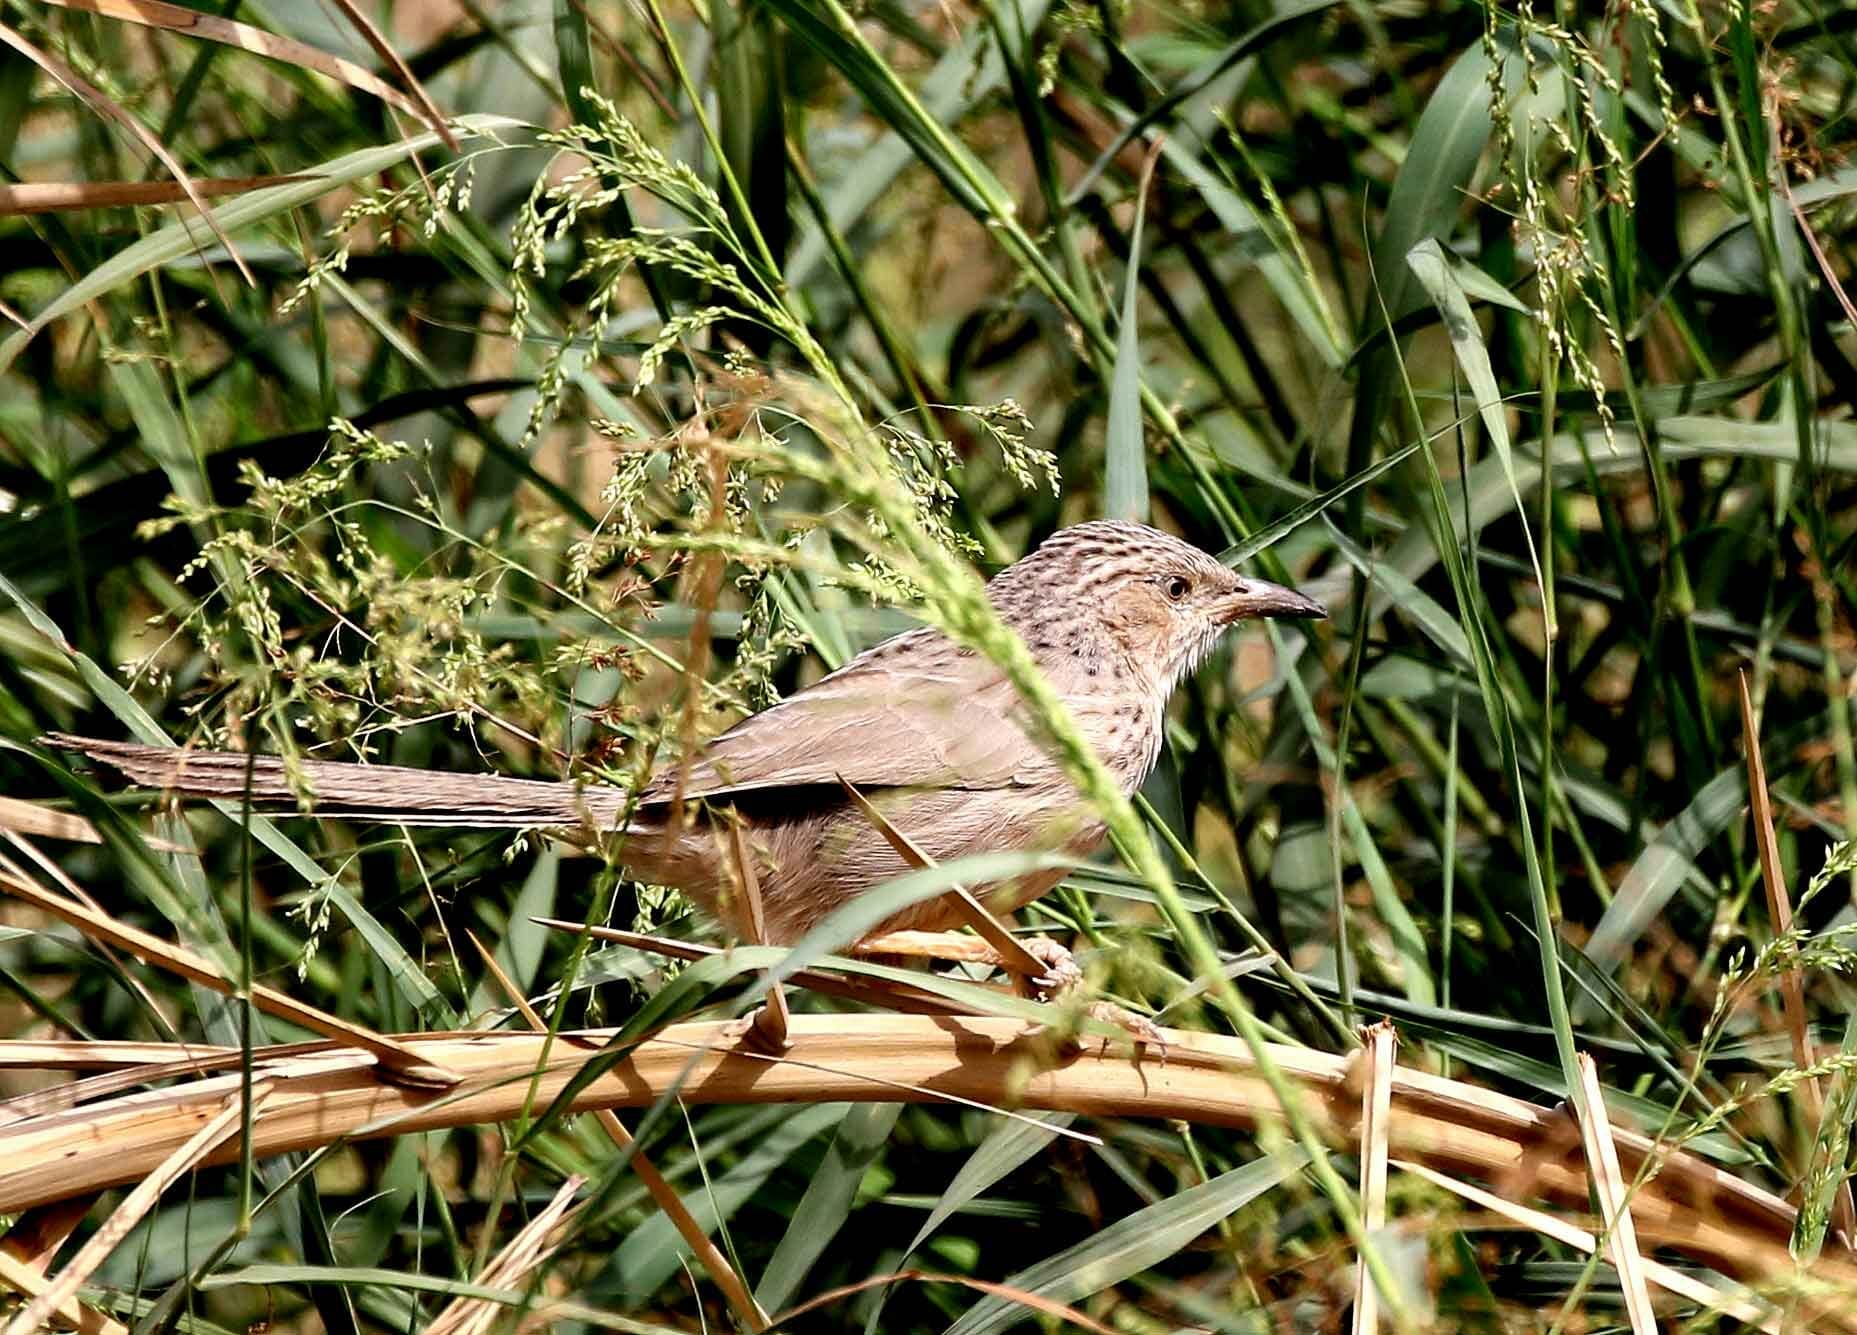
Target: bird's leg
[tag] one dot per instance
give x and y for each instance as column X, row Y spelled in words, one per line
column 1057, row 969
column 1061, row 973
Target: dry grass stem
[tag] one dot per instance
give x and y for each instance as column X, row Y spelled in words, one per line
column 1009, row 953
column 393, row 1055
column 769, row 1023
column 36, row 1236
column 217, row 1130
column 62, row 196
column 1740, row 1306
column 87, row 92
column 29, row 1283
column 1453, row 1126
column 1033, row 1301
column 534, row 1242
column 230, row 32
column 880, row 992
column 1614, row 1192
column 1780, row 912
column 1375, row 1062
column 29, row 818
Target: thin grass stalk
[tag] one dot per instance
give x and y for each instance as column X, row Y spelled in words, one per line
column 1448, row 849
column 1344, row 960
column 1544, row 568
column 1495, row 706
column 1279, row 966
column 903, row 366
column 763, row 255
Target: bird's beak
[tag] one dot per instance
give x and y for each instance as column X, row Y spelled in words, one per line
column 1257, row 598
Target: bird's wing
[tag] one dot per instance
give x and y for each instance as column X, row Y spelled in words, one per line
column 908, row 713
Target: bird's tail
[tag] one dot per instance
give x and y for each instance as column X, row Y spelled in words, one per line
column 364, row 792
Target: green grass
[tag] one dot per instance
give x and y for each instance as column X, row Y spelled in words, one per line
column 1514, row 334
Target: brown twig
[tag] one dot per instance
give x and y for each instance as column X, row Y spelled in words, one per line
column 1012, row 955
column 1780, row 911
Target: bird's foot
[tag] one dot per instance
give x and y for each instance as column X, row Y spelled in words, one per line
column 1144, row 1032
column 1062, row 972
column 1084, row 1025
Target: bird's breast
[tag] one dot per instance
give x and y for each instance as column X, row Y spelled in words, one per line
column 1125, row 730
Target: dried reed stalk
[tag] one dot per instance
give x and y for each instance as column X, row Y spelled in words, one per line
column 219, row 1126
column 1375, row 1061
column 99, row 927
column 62, row 196
column 30, row 1283
column 1780, row 913
column 1614, row 1194
column 1740, row 1306
column 1453, row 1127
column 533, row 1244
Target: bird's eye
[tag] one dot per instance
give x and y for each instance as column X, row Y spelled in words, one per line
column 1178, row 587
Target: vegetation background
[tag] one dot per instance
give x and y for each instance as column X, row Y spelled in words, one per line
column 718, row 341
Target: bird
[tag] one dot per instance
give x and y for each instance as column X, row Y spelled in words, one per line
column 928, row 731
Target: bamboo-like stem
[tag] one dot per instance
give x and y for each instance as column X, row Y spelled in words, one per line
column 1455, row 1127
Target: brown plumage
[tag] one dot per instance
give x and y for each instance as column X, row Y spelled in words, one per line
column 1114, row 613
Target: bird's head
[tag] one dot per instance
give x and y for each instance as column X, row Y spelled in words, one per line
column 1164, row 601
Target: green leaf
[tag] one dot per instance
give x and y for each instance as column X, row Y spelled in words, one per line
column 1131, row 1245
column 524, row 940
column 1213, row 68
column 841, row 45
column 408, row 978
column 963, row 79
column 1670, row 858
column 1278, row 529
column 1424, row 610
column 1427, row 194
column 1246, row 234
column 1125, row 484
column 1434, row 272
column 1827, row 1167
column 652, row 1252
column 823, row 1210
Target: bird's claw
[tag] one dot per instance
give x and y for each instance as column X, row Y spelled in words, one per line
column 1139, row 1028
column 1062, row 972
